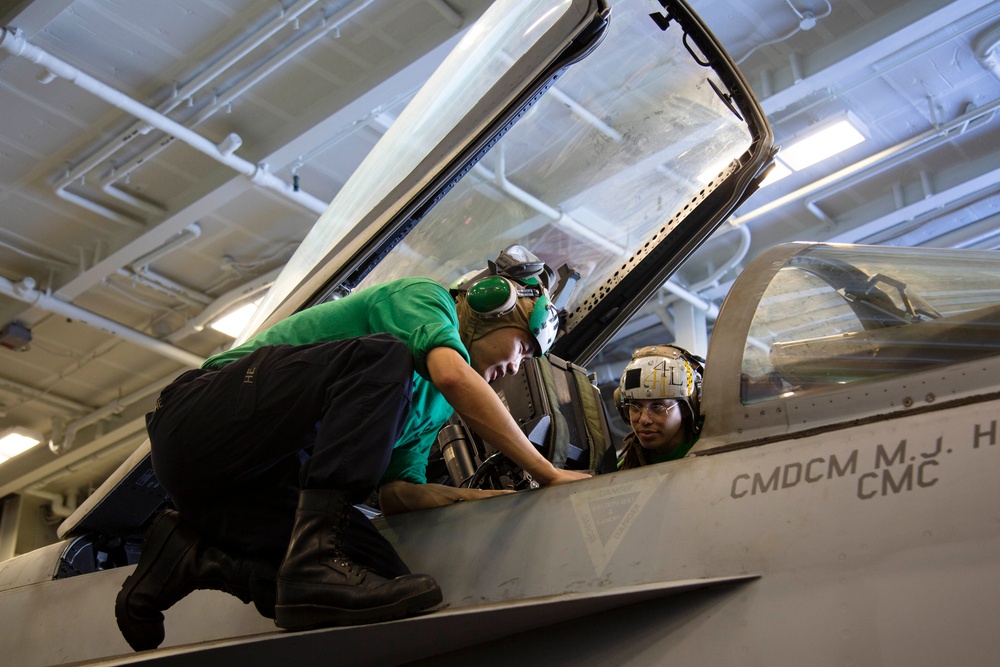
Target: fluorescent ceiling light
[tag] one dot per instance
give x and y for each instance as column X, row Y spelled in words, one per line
column 233, row 323
column 15, row 440
column 822, row 144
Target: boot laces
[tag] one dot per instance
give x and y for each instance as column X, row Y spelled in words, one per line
column 342, row 562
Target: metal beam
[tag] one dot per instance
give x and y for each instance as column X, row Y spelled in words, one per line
column 983, row 183
column 838, row 67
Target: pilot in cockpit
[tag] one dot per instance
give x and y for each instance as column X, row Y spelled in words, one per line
column 659, row 397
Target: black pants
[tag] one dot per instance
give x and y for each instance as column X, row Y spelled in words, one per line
column 234, row 446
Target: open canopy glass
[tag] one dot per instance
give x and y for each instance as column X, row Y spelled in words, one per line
column 644, row 145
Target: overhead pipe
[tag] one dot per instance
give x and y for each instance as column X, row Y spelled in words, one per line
column 710, row 309
column 731, row 263
column 15, row 44
column 112, row 190
column 317, row 30
column 164, row 285
column 62, row 505
column 25, row 291
column 282, row 18
column 63, row 437
column 690, row 294
column 221, row 62
column 224, row 303
column 139, row 271
column 101, row 210
column 885, row 228
column 585, row 114
column 582, row 112
column 33, row 394
column 561, row 218
column 928, row 141
column 875, row 163
column 40, row 255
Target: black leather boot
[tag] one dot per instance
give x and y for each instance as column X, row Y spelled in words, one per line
column 319, row 586
column 175, row 562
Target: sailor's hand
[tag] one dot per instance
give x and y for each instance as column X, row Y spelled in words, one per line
column 560, row 476
column 475, row 494
column 398, row 496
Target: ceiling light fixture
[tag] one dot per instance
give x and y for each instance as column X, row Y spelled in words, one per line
column 822, row 144
column 15, row 440
column 815, row 147
column 232, row 323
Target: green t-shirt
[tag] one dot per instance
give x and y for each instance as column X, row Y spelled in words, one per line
column 419, row 312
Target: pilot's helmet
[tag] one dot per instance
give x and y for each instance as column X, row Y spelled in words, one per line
column 511, row 292
column 663, row 372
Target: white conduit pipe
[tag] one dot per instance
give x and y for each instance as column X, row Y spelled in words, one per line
column 737, row 257
column 585, row 114
column 560, row 217
column 15, row 44
column 138, row 271
column 99, row 209
column 221, row 63
column 68, row 437
column 164, row 285
column 690, row 294
column 62, row 506
column 315, row 34
column 110, row 189
column 25, row 291
column 223, row 303
column 237, row 53
column 32, row 394
column 904, row 149
column 710, row 309
column 187, row 235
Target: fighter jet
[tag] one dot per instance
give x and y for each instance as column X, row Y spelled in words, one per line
column 837, row 506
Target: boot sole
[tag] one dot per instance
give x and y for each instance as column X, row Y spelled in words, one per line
column 309, row 616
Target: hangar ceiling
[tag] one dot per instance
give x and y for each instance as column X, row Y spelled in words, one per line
column 202, row 138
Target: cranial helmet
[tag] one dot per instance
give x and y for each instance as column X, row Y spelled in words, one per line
column 663, row 372
column 510, row 292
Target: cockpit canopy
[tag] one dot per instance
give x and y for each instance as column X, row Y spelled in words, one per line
column 813, row 334
column 618, row 164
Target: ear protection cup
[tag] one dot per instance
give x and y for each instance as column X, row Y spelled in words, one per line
column 492, row 296
column 498, row 291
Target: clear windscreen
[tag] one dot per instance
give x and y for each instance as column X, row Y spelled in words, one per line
column 599, row 167
column 837, row 315
column 506, row 31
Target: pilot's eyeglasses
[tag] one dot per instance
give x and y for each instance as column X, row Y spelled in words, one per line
column 656, row 410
